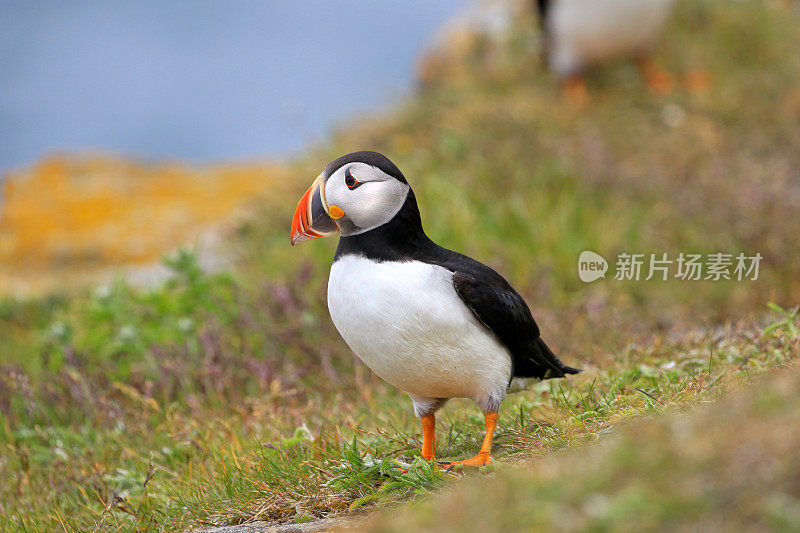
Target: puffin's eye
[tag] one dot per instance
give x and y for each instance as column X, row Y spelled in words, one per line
column 351, row 181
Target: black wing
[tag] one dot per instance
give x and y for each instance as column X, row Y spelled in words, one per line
column 503, row 311
column 493, row 301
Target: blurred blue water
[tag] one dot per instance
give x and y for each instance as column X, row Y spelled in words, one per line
column 199, row 79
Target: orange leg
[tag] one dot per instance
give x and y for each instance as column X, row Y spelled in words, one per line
column 697, row 81
column 484, row 456
column 658, row 79
column 428, row 436
column 575, row 89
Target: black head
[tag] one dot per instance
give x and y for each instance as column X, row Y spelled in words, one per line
column 373, row 159
column 354, row 194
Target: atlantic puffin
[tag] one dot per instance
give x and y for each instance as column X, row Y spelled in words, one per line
column 434, row 323
column 582, row 33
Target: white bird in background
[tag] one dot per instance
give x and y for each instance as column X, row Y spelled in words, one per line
column 581, row 33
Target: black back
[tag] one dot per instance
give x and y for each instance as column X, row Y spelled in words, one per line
column 542, row 6
column 488, row 295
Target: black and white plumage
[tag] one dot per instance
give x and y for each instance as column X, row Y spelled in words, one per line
column 435, row 323
column 582, row 33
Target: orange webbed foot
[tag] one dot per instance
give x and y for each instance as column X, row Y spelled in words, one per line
column 482, row 459
column 484, row 456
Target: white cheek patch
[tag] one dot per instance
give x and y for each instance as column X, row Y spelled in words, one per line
column 374, row 203
column 377, row 204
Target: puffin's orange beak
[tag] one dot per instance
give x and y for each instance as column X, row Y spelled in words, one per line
column 311, row 219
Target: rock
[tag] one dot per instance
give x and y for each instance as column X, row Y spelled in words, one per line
column 482, row 21
column 324, row 524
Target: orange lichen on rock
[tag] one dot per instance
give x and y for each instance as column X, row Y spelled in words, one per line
column 67, row 213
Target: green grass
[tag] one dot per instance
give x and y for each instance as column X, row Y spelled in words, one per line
column 218, row 398
column 142, row 447
column 728, row 466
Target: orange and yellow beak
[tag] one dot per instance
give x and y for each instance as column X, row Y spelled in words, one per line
column 311, row 219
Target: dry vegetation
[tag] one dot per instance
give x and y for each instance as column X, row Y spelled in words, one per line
column 67, row 219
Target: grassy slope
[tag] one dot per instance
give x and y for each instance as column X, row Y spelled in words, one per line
column 731, row 466
column 220, row 398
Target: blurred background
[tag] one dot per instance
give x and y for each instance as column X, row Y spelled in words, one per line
column 195, row 82
column 166, row 357
column 199, row 81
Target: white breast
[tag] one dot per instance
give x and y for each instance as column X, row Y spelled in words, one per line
column 407, row 323
column 583, row 32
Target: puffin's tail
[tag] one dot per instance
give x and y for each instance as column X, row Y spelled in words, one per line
column 556, row 369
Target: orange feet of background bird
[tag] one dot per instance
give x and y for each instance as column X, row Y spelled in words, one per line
column 484, row 456
column 574, row 88
column 658, row 79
